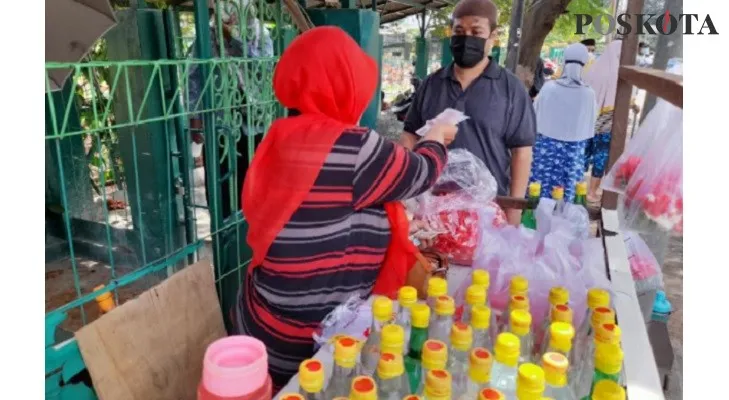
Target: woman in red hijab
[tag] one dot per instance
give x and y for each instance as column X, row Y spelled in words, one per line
column 315, row 196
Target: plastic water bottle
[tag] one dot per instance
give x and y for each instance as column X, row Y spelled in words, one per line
column 392, row 382
column 555, row 367
column 311, row 379
column 345, row 362
column 440, row 327
column 521, row 326
column 458, row 356
column 506, row 359
column 530, row 383
column 661, row 308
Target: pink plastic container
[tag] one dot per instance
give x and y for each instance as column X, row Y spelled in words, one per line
column 235, row 368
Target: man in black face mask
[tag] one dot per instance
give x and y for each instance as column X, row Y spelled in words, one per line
column 501, row 129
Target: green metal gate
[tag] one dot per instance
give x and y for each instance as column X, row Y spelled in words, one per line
column 127, row 201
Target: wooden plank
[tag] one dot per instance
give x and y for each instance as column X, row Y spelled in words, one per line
column 623, row 95
column 660, row 83
column 152, row 347
column 641, row 373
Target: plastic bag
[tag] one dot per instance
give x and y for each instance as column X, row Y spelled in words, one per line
column 643, row 264
column 451, row 208
column 352, row 318
column 448, row 116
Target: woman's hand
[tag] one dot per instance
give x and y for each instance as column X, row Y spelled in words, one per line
column 442, row 133
column 415, row 226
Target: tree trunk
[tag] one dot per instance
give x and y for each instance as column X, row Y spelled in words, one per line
column 669, row 46
column 539, row 20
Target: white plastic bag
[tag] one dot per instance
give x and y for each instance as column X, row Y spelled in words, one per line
column 351, row 318
column 646, row 271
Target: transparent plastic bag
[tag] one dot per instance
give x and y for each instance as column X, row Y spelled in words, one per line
column 451, row 208
column 352, row 318
column 646, row 271
column 654, row 193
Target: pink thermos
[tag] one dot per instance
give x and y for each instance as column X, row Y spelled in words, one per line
column 235, row 368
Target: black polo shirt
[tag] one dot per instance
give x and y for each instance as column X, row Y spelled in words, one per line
column 500, row 110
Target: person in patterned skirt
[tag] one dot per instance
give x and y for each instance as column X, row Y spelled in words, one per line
column 566, row 112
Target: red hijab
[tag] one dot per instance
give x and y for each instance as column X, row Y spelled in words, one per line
column 330, row 80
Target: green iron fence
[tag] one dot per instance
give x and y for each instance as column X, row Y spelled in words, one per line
column 128, row 203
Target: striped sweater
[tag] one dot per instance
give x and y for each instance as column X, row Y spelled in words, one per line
column 333, row 246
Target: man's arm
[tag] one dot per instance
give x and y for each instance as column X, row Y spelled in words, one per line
column 414, row 118
column 521, row 163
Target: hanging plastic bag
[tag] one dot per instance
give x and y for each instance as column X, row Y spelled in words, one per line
column 352, row 318
column 451, row 208
column 643, row 264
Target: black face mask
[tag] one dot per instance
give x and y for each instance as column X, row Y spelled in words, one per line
column 467, row 50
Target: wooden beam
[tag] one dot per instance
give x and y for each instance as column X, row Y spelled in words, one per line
column 659, row 83
column 623, row 95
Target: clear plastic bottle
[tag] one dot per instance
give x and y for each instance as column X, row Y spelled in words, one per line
column 479, row 374
column 491, row 394
column 363, row 388
column 475, row 296
column 558, row 295
column 436, row 287
column 555, row 367
column 407, row 296
column 516, row 302
column 482, row 322
column 605, row 334
column 560, row 313
column 596, row 297
column 412, row 397
column 311, row 379
column 392, row 339
column 291, row 396
column 437, row 385
column 521, row 326
column 345, row 363
column 560, row 339
column 608, row 365
column 434, row 357
column 458, row 354
column 420, row 316
column 381, row 316
column 608, row 390
column 558, row 196
column 600, row 317
column 506, row 359
column 392, row 381
column 530, row 383
column 518, row 286
column 440, row 327
column 482, row 278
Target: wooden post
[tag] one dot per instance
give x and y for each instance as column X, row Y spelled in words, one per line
column 622, row 101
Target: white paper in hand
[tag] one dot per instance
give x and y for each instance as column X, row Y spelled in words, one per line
column 448, row 116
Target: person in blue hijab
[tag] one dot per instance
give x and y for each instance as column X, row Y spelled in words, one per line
column 566, row 111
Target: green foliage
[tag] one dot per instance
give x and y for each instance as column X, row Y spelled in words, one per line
column 564, row 29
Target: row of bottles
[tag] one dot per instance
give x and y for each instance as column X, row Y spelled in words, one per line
column 423, row 349
column 529, row 218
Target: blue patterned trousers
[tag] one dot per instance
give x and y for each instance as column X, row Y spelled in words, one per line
column 558, row 163
column 597, row 153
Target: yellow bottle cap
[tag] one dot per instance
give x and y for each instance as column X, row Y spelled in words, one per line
column 461, row 336
column 518, row 285
column 475, row 294
column 555, row 369
column 407, row 296
column 435, row 354
column 535, row 189
column 562, row 313
column 608, row 333
column 412, row 397
column 363, row 388
column 311, row 375
column 393, row 339
column 581, row 188
column 479, row 368
column 558, row 295
column 346, row 350
column 560, row 336
column 437, row 287
column 382, row 309
column 105, row 301
column 480, row 317
column 491, row 394
column 608, row 390
column 438, row 385
column 340, row 398
column 597, row 297
column 420, row 315
column 608, row 358
column 506, row 349
column 292, row 396
column 558, row 193
column 444, row 305
column 602, row 315
column 481, row 277
column 520, row 322
column 519, row 302
column 390, row 366
column 530, row 382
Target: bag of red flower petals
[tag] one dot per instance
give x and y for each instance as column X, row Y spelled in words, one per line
column 456, row 204
column 654, row 191
column 643, row 264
